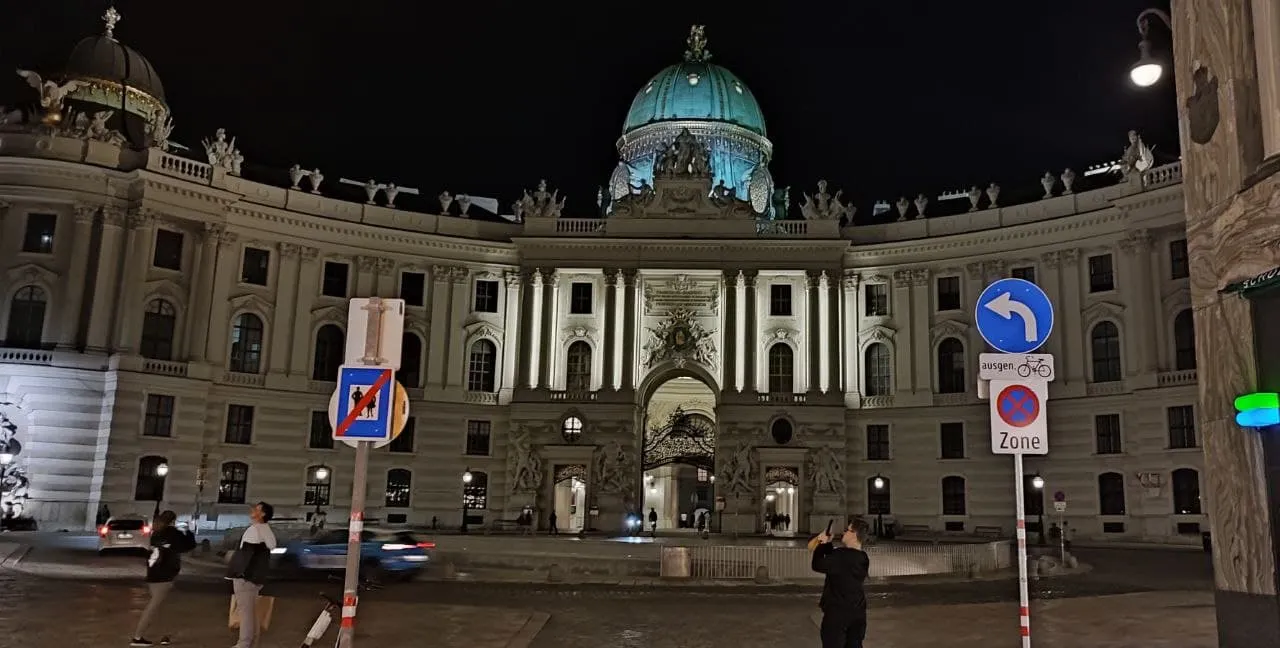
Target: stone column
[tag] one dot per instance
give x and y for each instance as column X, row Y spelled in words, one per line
column 751, row 331
column 388, row 286
column 284, row 326
column 1049, row 278
column 921, row 346
column 851, row 316
column 204, row 259
column 631, row 320
column 437, row 349
column 608, row 379
column 975, row 281
column 903, row 316
column 227, row 266
column 550, row 315
column 834, row 350
column 1137, row 284
column 729, row 309
column 530, row 316
column 304, row 298
column 512, row 345
column 136, row 261
column 72, row 304
column 106, row 281
column 812, row 335
column 460, row 297
column 1073, row 332
column 366, row 275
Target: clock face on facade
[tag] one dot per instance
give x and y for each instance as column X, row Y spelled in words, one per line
column 680, row 338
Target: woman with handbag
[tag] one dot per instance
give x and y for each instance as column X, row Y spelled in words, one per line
column 248, row 570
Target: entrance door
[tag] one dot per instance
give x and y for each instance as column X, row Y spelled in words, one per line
column 570, row 495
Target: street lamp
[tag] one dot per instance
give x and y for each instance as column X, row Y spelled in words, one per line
column 1148, row 69
column 1037, row 483
column 322, row 475
column 878, row 484
column 466, row 503
column 161, row 471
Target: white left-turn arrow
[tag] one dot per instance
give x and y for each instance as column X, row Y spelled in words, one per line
column 1005, row 306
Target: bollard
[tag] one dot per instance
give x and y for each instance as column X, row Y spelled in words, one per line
column 555, row 573
column 450, row 572
column 762, row 575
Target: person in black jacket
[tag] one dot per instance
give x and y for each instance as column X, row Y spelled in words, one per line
column 843, row 603
column 163, row 565
column 249, row 568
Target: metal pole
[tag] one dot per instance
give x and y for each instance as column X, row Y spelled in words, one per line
column 1062, row 536
column 360, row 477
column 1024, row 596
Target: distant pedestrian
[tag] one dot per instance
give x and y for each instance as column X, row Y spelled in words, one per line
column 552, row 525
column 843, row 603
column 248, row 569
column 653, row 520
column 163, row 565
column 104, row 514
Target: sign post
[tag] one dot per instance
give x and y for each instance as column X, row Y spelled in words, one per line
column 1015, row 317
column 364, row 411
column 1060, row 506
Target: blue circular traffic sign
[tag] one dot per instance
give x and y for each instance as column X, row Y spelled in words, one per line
column 1014, row 316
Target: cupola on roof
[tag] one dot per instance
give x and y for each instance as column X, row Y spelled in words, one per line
column 103, row 58
column 695, row 89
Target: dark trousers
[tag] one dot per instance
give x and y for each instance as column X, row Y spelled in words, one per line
column 842, row 630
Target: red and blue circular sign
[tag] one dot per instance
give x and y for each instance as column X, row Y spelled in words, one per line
column 1018, row 406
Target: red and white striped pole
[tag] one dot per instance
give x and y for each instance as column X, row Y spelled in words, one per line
column 1024, row 596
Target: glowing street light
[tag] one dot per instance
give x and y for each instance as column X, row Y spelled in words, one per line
column 466, row 500
column 1148, row 70
column 161, row 471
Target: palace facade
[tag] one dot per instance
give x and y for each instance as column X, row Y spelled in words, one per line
column 701, row 343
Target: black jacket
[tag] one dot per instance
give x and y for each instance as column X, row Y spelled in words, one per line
column 167, row 545
column 846, row 569
column 251, row 562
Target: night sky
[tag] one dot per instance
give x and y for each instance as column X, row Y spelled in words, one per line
column 880, row 98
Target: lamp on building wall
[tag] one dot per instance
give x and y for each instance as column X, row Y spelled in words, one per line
column 161, row 471
column 466, row 503
column 877, row 484
column 1148, row 70
column 8, row 452
column 322, row 477
column 1037, row 484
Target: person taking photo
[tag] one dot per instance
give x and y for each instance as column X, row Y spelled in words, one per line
column 163, row 565
column 843, row 603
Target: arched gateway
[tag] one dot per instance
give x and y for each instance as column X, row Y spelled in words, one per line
column 678, row 448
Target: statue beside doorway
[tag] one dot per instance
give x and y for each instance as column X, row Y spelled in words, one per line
column 737, row 471
column 525, row 463
column 827, row 471
column 614, row 469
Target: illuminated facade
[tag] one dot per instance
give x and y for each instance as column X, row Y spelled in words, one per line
column 157, row 309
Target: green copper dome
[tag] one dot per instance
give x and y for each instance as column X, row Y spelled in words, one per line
column 695, row 90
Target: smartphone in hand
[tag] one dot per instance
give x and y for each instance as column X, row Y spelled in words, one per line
column 829, row 523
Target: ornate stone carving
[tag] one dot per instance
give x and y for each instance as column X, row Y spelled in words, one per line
column 539, row 204
column 85, row 213
column 1137, row 240
column 738, row 469
column 680, row 339
column 1047, row 181
column 874, row 279
column 446, row 199
column 877, row 333
column 158, row 130
column 459, row 275
column 114, row 216
column 749, row 277
column 366, row 263
column 1100, row 310
column 578, row 332
column 824, row 206
column 921, row 202
column 974, row 270
column 685, row 157
column 827, row 471
column 902, row 206
column 524, row 463
column 139, row 217
column 1070, row 257
column 223, row 154
column 51, row 95
column 850, row 279
column 610, row 277
column 289, row 250
column 993, row 194
column 1068, row 181
column 1051, row 260
column 32, row 273
column 920, row 278
column 310, row 253
column 386, row 267
column 613, row 468
column 779, row 333
column 1137, row 157
column 512, row 278
column 975, row 196
column 902, row 277
column 93, row 126
column 994, row 269
column 948, row 328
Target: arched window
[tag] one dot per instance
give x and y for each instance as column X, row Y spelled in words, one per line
column 1184, row 341
column 319, row 485
column 578, row 367
column 246, row 344
column 331, row 347
column 158, row 325
column 782, row 431
column 1104, row 339
column 399, row 487
column 951, row 379
column 149, row 484
column 879, row 499
column 953, row 496
column 1111, row 494
column 571, row 429
column 475, row 495
column 26, row 318
column 782, row 379
column 482, row 365
column 234, row 482
column 1186, row 492
column 878, row 375
column 410, row 374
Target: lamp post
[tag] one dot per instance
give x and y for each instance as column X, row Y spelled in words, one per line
column 877, row 484
column 161, row 471
column 322, row 476
column 1148, row 69
column 1037, row 484
column 466, row 503
column 6, row 458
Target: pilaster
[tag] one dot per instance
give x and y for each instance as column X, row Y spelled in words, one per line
column 387, row 285
column 106, row 281
column 751, row 293
column 366, row 275
column 220, row 309
column 550, row 314
column 810, row 380
column 631, row 320
column 511, row 345
column 1139, row 338
column 831, row 321
column 921, row 348
column 1073, row 332
column 455, row 374
column 975, row 281
column 70, row 313
column 285, row 325
column 437, row 351
column 850, row 329
column 531, row 317
column 903, row 315
column 304, row 297
column 1050, row 281
column 608, row 378
column 729, row 324
column 204, row 259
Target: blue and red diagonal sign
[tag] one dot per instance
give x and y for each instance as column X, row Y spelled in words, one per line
column 364, row 404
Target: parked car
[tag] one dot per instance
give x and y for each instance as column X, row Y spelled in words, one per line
column 124, row 533
column 383, row 553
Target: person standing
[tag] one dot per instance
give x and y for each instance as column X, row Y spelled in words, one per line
column 843, row 603
column 653, row 520
column 248, row 570
column 163, row 565
column 553, row 525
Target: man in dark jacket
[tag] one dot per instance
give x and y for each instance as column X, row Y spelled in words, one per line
column 163, row 565
column 249, row 568
column 844, row 604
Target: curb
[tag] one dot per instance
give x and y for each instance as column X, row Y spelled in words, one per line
column 529, row 631
column 14, row 557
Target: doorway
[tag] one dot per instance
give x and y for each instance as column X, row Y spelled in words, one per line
column 570, row 497
column 678, row 456
column 781, row 501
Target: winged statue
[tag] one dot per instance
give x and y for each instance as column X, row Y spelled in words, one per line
column 51, row 94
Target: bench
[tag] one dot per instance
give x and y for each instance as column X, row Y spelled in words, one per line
column 994, row 532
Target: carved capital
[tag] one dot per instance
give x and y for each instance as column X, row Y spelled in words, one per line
column 533, row 276
column 974, row 270
column 367, row 263
column 1070, row 257
column 227, row 239
column 441, row 273
column 85, row 213
column 812, row 279
column 140, row 217
column 289, row 250
column 114, row 216
column 551, row 277
column 749, row 277
column 610, row 277
column 459, row 275
column 386, row 267
column 851, row 279
column 1051, row 260
column 994, row 269
column 1137, row 240
column 310, row 253
column 513, row 278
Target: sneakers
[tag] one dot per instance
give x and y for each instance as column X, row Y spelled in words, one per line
column 139, row 642
column 164, row 641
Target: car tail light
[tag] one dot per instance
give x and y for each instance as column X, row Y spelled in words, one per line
column 392, row 546
column 102, row 530
column 146, row 529
column 426, row 545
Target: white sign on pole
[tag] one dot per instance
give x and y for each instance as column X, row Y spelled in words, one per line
column 1018, row 421
column 1015, row 366
column 389, row 337
column 1060, row 507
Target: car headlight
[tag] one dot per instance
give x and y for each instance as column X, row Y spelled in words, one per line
column 279, row 550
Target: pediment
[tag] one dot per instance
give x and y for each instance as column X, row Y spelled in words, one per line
column 779, row 333
column 949, row 328
column 877, row 333
column 1101, row 310
column 32, row 273
column 167, row 288
column 418, row 325
column 251, row 302
column 874, row 279
column 329, row 315
column 578, row 332
column 482, row 329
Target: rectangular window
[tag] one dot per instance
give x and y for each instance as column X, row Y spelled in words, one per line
column 1106, row 428
column 404, row 442
column 580, row 298
column 1102, row 276
column 168, row 251
column 159, row 418
column 877, row 442
column 239, row 424
column 780, row 300
column 948, row 293
column 486, row 296
column 1025, row 273
column 478, row 435
column 321, row 433
column 38, row 238
column 1179, row 263
column 1182, row 427
column 254, row 269
column 413, row 288
column 335, row 280
column 876, row 300
column 952, row 440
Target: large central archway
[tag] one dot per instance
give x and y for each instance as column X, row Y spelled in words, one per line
column 677, row 456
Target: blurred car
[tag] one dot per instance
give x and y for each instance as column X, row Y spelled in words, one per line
column 390, row 553
column 124, row 533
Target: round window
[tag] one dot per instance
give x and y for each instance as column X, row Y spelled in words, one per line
column 571, row 429
column 781, row 431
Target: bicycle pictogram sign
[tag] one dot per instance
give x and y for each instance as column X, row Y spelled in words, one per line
column 1018, row 406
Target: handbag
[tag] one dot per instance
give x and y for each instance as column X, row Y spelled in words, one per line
column 262, row 609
